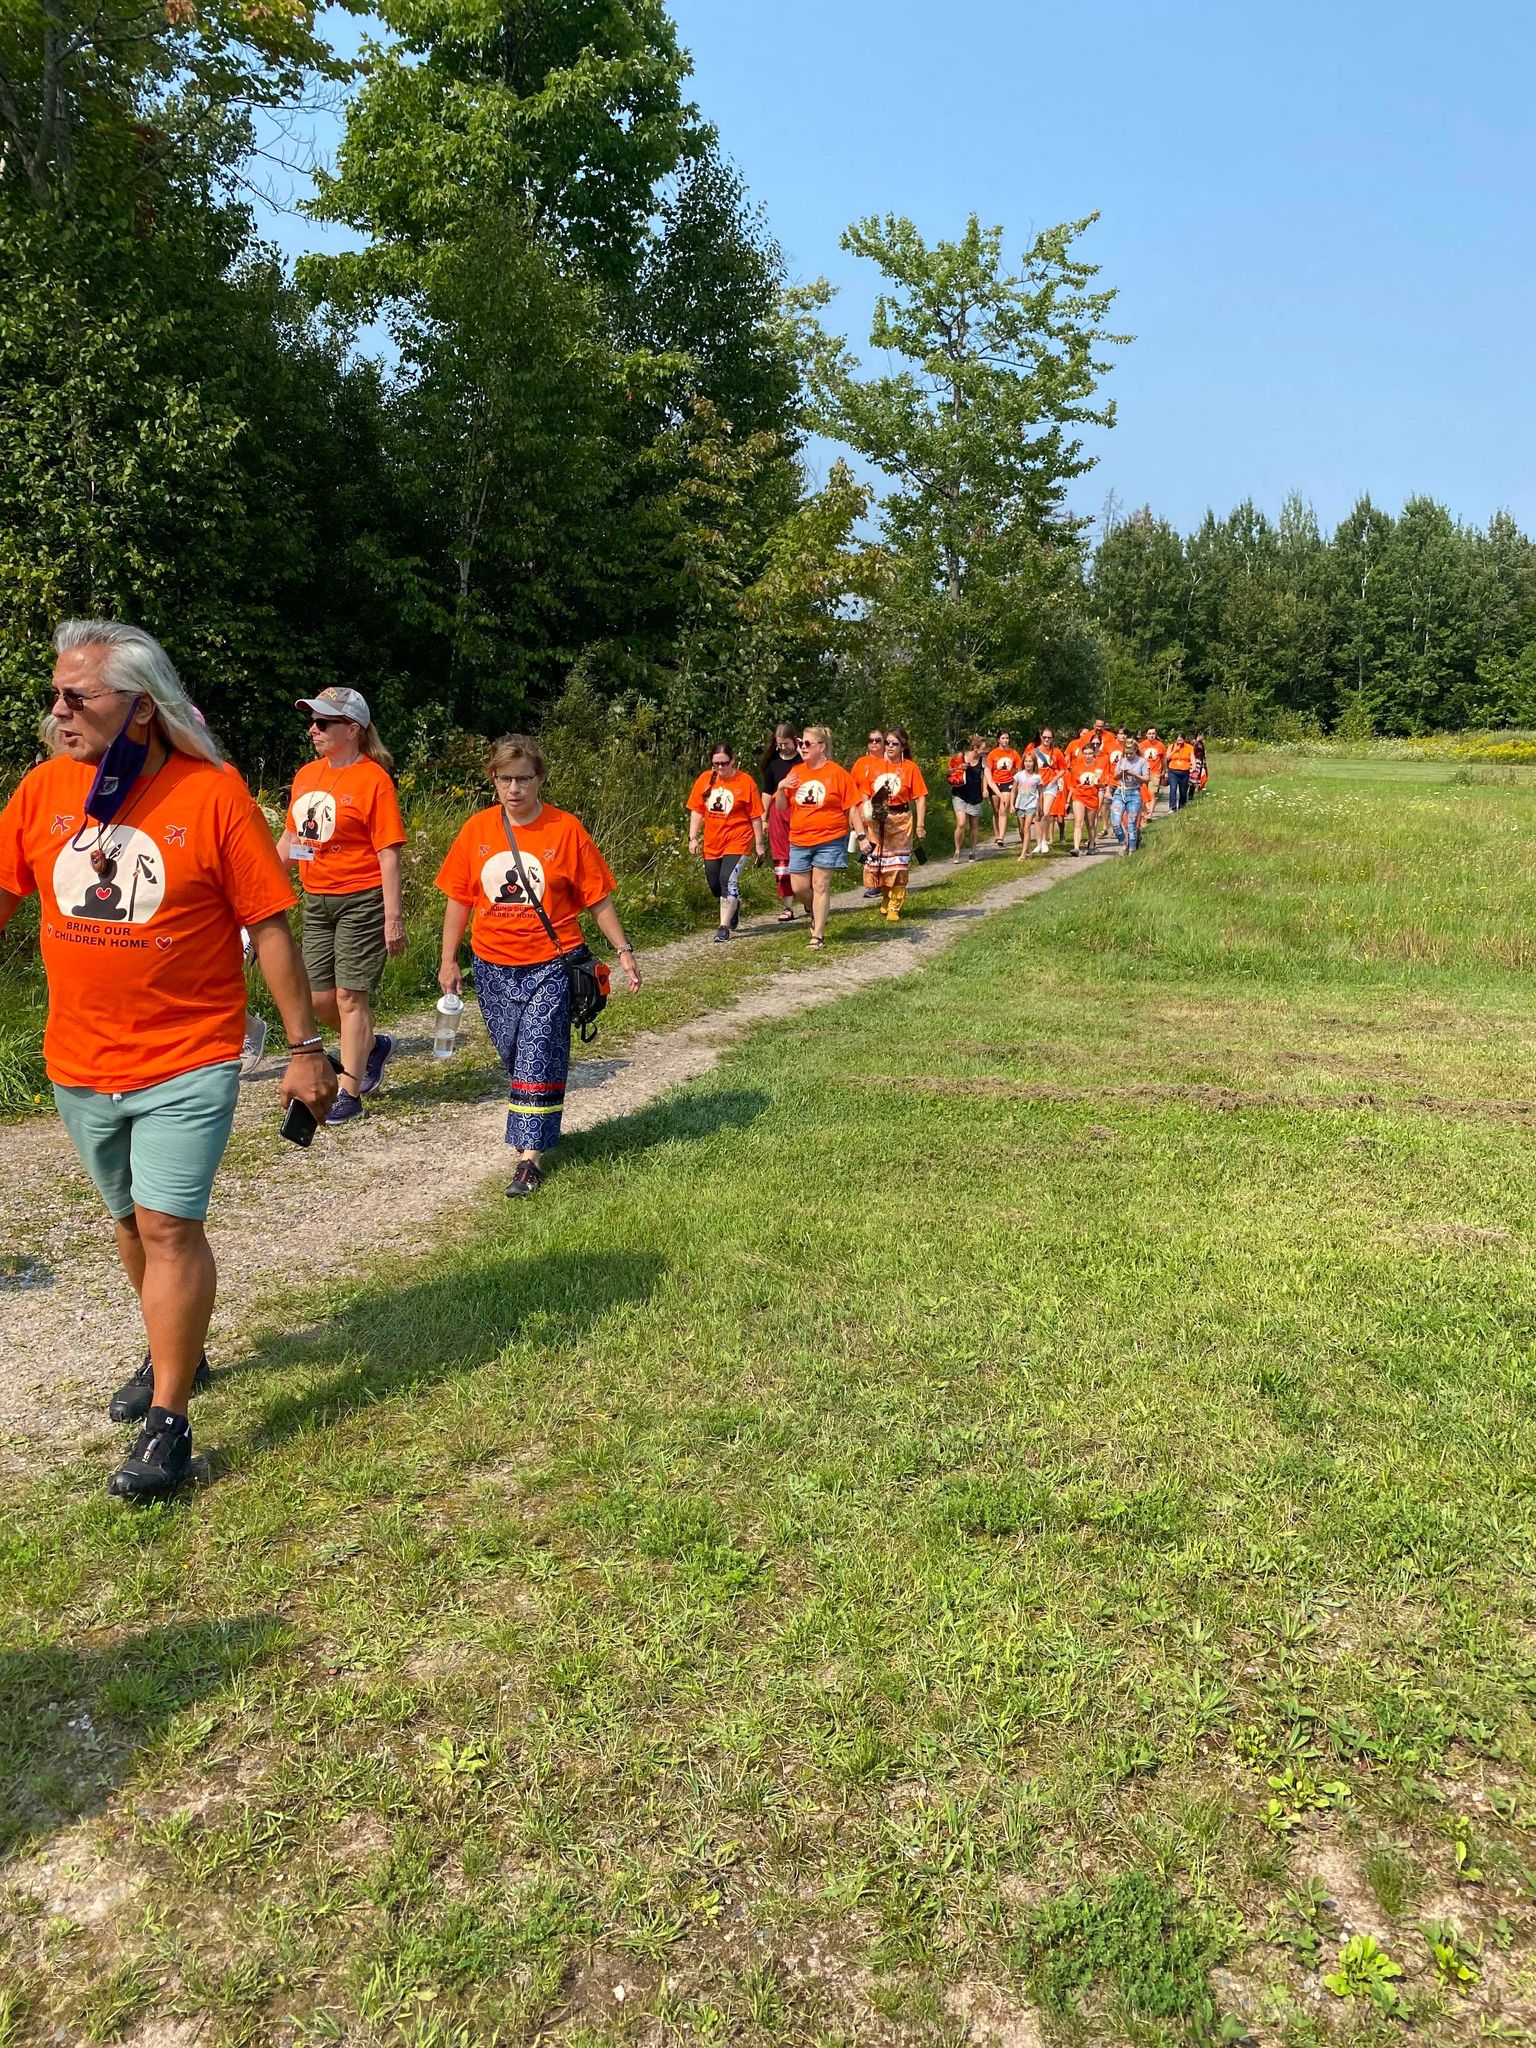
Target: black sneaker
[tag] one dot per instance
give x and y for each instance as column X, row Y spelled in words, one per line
column 159, row 1463
column 134, row 1398
column 377, row 1060
column 526, row 1179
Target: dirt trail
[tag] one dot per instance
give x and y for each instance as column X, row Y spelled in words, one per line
column 70, row 1330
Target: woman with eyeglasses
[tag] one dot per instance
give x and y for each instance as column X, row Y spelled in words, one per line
column 149, row 854
column 780, row 755
column 822, row 805
column 344, row 834
column 864, row 770
column 725, row 810
column 514, row 869
column 898, row 796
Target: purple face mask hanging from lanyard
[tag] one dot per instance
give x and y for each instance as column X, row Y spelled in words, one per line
column 117, row 772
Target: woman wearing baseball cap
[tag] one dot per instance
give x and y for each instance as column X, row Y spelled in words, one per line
column 344, row 834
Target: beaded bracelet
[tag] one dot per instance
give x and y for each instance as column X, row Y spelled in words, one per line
column 315, row 1044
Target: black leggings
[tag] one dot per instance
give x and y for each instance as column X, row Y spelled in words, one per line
column 723, row 876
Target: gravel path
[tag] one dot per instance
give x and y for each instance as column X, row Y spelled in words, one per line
column 71, row 1331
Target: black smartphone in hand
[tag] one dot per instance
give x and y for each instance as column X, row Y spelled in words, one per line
column 298, row 1125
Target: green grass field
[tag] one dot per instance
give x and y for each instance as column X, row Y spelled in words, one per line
column 1008, row 1508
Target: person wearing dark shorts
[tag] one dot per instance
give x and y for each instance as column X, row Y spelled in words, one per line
column 725, row 814
column 344, row 833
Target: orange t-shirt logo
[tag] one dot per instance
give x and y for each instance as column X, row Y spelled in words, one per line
column 127, row 887
column 721, row 801
column 499, row 880
column 811, row 793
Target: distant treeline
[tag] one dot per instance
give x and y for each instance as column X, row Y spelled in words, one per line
column 1254, row 628
column 572, row 493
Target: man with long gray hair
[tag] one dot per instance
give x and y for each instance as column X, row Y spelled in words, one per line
column 149, row 854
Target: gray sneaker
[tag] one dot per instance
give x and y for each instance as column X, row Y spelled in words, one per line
column 255, row 1045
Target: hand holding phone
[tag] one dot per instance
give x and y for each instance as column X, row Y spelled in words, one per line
column 299, row 1122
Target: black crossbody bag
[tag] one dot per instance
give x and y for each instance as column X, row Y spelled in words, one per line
column 587, row 980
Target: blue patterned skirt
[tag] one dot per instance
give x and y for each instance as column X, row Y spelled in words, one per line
column 527, row 1011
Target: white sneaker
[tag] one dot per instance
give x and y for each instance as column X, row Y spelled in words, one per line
column 255, row 1045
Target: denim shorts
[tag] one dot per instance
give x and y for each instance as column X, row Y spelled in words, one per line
column 832, row 853
column 154, row 1148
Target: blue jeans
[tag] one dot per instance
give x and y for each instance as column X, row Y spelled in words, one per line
column 1125, row 816
column 832, row 853
column 1178, row 788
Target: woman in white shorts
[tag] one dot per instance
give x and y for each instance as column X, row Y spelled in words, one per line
column 1026, row 802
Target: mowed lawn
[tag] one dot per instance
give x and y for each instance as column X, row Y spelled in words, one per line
column 1006, row 1514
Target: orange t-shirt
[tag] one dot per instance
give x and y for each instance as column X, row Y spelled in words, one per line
column 345, row 815
column 1182, row 757
column 1086, row 777
column 1154, row 755
column 565, row 871
column 902, row 781
column 864, row 771
column 144, row 961
column 727, row 804
column 819, row 802
column 1003, row 763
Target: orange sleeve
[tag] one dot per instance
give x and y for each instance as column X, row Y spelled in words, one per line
column 755, row 801
column 593, row 878
column 696, row 794
column 256, row 885
column 386, row 827
column 454, row 877
column 15, row 869
column 919, row 786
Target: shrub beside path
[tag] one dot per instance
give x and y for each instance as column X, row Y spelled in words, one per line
column 284, row 1220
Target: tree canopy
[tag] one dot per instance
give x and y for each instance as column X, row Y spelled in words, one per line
column 576, row 489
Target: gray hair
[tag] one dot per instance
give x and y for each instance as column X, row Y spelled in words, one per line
column 136, row 665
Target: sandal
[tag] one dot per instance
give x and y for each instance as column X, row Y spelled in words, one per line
column 817, row 944
column 785, row 917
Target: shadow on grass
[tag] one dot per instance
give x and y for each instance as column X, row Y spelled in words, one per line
column 71, row 1720
column 675, row 1119
column 386, row 1343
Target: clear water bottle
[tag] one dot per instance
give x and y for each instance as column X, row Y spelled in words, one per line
column 450, row 1011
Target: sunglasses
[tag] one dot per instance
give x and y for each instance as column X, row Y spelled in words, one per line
column 718, row 763
column 877, row 739
column 325, row 724
column 803, row 744
column 74, row 700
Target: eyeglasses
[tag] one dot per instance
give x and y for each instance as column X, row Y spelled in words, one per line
column 74, row 700
column 515, row 781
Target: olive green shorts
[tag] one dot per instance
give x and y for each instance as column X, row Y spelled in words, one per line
column 344, row 940
column 157, row 1147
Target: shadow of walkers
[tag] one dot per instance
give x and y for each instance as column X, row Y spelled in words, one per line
column 677, row 1119
column 395, row 1341
column 71, row 1720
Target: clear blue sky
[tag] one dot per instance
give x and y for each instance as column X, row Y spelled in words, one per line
column 1319, row 217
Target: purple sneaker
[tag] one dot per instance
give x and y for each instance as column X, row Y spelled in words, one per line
column 378, row 1059
column 344, row 1108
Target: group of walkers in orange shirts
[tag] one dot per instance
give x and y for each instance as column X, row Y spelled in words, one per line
column 159, row 876
column 817, row 814
column 1100, row 774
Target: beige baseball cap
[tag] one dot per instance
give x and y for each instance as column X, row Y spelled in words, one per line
column 337, row 703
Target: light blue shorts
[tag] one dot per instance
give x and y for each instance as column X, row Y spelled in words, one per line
column 832, row 853
column 154, row 1148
